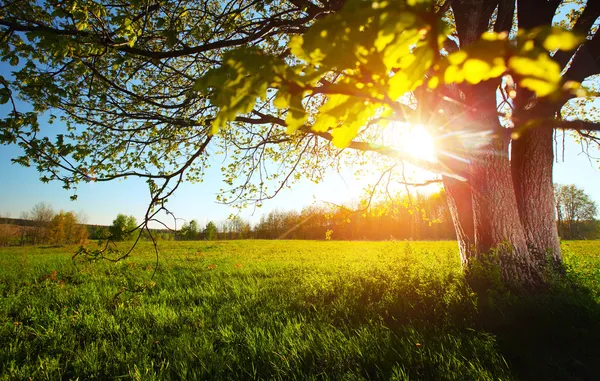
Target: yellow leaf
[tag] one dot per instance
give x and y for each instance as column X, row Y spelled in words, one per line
column 498, row 68
column 453, row 75
column 476, row 70
column 382, row 40
column 406, row 61
column 433, row 82
column 541, row 67
column 399, row 84
column 295, row 46
column 282, row 100
column 333, row 102
column 343, row 136
column 414, row 3
column 493, row 36
column 294, row 121
column 458, row 57
column 562, row 39
column 296, row 116
column 316, row 56
column 540, row 87
column 324, row 122
column 399, row 51
column 528, row 46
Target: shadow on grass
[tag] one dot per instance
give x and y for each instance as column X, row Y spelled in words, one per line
column 552, row 334
column 546, row 334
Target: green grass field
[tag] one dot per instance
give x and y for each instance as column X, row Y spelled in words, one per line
column 291, row 310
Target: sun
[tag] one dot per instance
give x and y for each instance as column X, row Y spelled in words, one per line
column 412, row 139
column 409, row 139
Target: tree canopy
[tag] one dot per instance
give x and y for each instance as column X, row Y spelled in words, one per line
column 123, row 227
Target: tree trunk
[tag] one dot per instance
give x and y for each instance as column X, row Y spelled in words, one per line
column 496, row 217
column 532, row 158
column 497, row 226
column 458, row 194
column 505, row 206
column 460, row 204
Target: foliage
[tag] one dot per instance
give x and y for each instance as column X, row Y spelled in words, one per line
column 235, row 228
column 65, row 229
column 41, row 225
column 10, row 234
column 41, row 214
column 403, row 216
column 210, row 231
column 364, row 43
column 189, row 231
column 123, row 228
column 99, row 232
column 293, row 310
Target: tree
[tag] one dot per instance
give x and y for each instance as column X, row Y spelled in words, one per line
column 123, row 227
column 66, row 229
column 190, row 231
column 210, row 231
column 99, row 232
column 41, row 214
column 278, row 81
column 573, row 209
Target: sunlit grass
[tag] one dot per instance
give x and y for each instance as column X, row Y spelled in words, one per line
column 289, row 309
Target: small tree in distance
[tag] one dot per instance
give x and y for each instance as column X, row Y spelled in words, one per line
column 41, row 214
column 123, row 227
column 575, row 211
column 65, row 228
column 210, row 232
column 189, row 232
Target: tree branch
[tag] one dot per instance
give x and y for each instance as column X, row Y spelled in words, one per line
column 577, row 125
column 365, row 147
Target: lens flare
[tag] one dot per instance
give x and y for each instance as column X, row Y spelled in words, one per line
column 412, row 139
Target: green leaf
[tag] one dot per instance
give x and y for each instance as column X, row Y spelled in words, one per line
column 296, row 116
column 4, row 95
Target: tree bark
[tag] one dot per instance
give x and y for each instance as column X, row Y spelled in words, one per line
column 506, row 205
column 495, row 216
column 532, row 158
column 460, row 204
column 452, row 156
column 498, row 227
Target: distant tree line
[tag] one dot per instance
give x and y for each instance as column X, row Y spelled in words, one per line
column 419, row 217
column 43, row 226
column 405, row 216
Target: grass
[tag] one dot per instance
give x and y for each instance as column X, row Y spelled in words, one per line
column 291, row 310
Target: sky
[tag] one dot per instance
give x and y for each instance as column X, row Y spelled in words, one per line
column 101, row 202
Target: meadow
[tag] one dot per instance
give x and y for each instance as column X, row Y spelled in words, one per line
column 291, row 310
